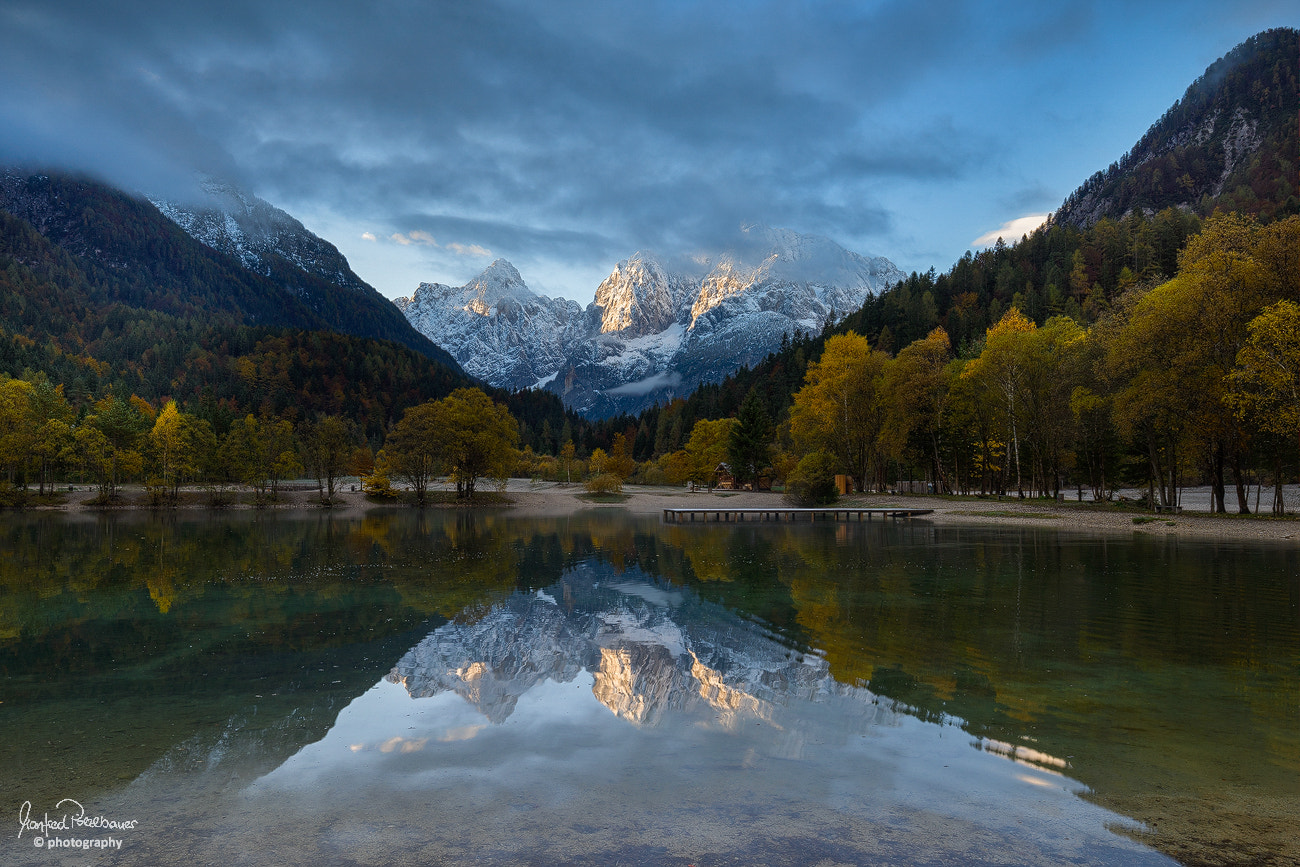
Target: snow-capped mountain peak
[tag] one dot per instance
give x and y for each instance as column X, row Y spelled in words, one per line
column 723, row 282
column 652, row 332
column 255, row 232
column 495, row 326
column 499, row 281
column 638, row 298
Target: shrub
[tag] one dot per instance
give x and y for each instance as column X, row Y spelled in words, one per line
column 605, row 483
column 812, row 483
column 652, row 474
column 13, row 498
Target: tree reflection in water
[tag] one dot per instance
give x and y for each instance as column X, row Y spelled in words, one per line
column 134, row 648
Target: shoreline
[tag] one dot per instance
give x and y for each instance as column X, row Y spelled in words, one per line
column 553, row 499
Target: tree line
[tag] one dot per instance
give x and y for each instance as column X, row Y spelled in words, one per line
column 1153, row 382
column 1130, row 378
column 115, row 441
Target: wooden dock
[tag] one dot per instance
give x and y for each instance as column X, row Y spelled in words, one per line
column 711, row 515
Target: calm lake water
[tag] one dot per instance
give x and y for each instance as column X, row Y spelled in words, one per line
column 472, row 688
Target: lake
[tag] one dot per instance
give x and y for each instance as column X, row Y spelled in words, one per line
column 471, row 687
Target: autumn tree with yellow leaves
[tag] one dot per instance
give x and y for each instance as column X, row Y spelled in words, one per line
column 917, row 393
column 1001, row 371
column 841, row 408
column 465, row 434
column 181, row 445
column 413, row 450
column 1266, row 383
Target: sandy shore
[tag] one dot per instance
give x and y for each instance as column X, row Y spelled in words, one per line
column 1081, row 517
column 552, row 499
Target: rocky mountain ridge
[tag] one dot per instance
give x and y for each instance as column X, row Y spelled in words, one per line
column 654, row 331
column 505, row 333
column 1225, row 143
column 255, row 232
column 274, row 245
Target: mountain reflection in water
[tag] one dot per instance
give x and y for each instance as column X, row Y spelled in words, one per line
column 646, row 656
column 610, row 718
column 470, row 687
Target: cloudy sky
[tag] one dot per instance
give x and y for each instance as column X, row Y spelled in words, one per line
column 425, row 138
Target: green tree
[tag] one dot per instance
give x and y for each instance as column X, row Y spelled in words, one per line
column 1092, row 419
column 1054, row 364
column 812, row 483
column 52, row 416
column 1223, row 282
column 1170, row 350
column 262, row 451
column 1266, row 383
column 18, row 426
column 916, row 390
column 749, row 441
column 327, row 451
column 108, row 443
column 706, row 448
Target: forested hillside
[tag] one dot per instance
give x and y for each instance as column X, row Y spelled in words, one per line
column 107, row 248
column 1057, row 270
column 102, row 294
column 1118, row 345
column 1229, row 143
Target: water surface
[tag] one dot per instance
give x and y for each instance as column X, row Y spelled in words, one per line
column 474, row 688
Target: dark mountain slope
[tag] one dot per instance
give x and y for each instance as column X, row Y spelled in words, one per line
column 1230, row 142
column 128, row 252
column 101, row 292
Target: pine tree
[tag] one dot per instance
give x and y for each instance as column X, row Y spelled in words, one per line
column 747, row 445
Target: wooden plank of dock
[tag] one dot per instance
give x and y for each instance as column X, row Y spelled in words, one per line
column 785, row 513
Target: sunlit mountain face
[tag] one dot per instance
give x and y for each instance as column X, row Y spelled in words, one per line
column 658, row 326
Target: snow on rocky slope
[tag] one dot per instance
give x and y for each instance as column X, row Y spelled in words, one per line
column 253, row 231
column 653, row 332
column 496, row 327
column 274, row 245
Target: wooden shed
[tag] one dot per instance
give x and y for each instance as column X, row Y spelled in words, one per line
column 723, row 479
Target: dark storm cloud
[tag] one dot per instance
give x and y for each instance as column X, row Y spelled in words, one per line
column 1051, row 29
column 1035, row 197
column 568, row 128
column 650, row 125
column 526, row 240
